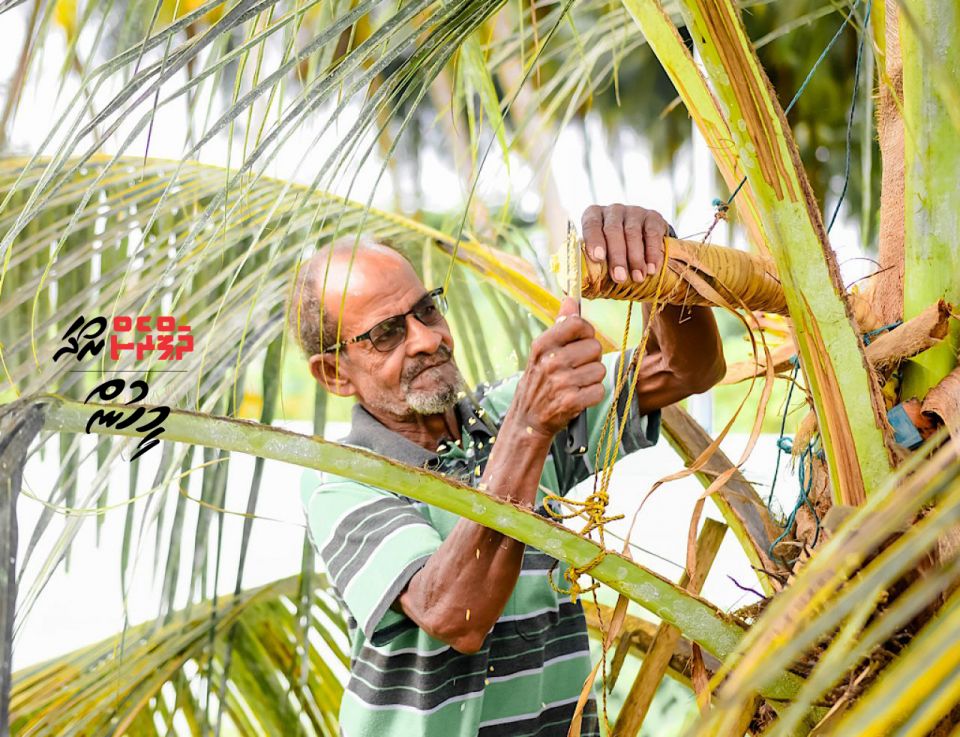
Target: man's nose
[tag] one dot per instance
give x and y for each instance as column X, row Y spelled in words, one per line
column 421, row 338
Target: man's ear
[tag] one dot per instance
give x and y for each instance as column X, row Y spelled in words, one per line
column 333, row 377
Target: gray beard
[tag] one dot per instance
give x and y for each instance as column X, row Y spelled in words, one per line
column 419, row 401
column 436, row 402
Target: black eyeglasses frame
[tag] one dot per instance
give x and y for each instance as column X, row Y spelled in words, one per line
column 436, row 296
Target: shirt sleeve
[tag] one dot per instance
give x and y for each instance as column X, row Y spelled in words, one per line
column 371, row 543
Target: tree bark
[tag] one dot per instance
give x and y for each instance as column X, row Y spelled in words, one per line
column 887, row 286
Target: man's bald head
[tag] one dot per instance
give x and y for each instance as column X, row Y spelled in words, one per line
column 373, row 282
column 314, row 321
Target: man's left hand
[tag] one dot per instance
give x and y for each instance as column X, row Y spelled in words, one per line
column 628, row 238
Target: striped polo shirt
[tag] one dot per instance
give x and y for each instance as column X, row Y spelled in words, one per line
column 526, row 678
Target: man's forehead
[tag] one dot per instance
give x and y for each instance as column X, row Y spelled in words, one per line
column 376, row 282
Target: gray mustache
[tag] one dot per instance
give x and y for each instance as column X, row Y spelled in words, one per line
column 411, row 371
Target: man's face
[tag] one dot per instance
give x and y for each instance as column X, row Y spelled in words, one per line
column 419, row 376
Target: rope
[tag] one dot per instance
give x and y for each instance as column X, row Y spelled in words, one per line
column 806, row 484
column 868, row 336
column 782, row 440
column 807, row 79
column 594, row 508
column 785, row 445
column 805, row 477
column 853, row 107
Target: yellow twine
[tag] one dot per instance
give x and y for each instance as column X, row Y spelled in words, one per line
column 593, row 509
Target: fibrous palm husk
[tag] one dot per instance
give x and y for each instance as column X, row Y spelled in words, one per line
column 741, row 278
column 911, row 338
column 904, row 341
column 943, row 402
column 884, row 352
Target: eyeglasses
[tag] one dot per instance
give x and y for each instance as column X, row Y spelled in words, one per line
column 388, row 334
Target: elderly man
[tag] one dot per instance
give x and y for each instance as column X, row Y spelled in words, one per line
column 455, row 629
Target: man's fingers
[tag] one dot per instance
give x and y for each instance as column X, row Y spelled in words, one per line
column 580, row 352
column 633, row 230
column 654, row 231
column 629, row 239
column 562, row 334
column 588, row 374
column 591, row 225
column 590, row 396
column 613, row 217
column 568, row 307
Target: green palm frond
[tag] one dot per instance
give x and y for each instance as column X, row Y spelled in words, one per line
column 236, row 280
column 857, row 637
column 236, row 661
column 695, row 618
column 855, row 605
column 237, row 284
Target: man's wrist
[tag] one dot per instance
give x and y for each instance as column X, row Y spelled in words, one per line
column 516, row 462
column 525, row 432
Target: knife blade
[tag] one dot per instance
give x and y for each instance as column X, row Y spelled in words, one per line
column 576, row 443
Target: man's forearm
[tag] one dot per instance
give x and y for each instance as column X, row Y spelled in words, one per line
column 684, row 356
column 462, row 590
column 689, row 337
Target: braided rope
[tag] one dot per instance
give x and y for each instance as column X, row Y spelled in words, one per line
column 594, row 508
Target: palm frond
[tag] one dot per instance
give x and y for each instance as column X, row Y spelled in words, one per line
column 235, row 663
column 857, row 441
column 235, row 281
column 855, row 604
column 695, row 618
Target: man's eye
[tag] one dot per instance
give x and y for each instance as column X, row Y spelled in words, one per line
column 387, row 329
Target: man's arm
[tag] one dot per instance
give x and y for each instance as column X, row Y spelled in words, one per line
column 684, row 353
column 460, row 593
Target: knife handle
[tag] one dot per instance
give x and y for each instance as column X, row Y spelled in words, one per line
column 577, row 435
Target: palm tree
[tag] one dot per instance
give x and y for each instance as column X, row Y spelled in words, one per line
column 861, row 607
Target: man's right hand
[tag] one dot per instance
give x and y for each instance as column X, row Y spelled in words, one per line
column 564, row 375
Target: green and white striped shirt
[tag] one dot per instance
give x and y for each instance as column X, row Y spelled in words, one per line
column 525, row 680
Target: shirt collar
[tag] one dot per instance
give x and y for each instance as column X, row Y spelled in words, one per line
column 368, row 432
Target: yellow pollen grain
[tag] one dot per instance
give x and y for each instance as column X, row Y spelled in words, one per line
column 478, row 553
column 468, row 615
column 529, row 430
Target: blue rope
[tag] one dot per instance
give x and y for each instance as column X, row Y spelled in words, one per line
column 783, row 441
column 853, row 107
column 867, row 337
column 806, row 484
column 785, row 445
column 809, row 76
